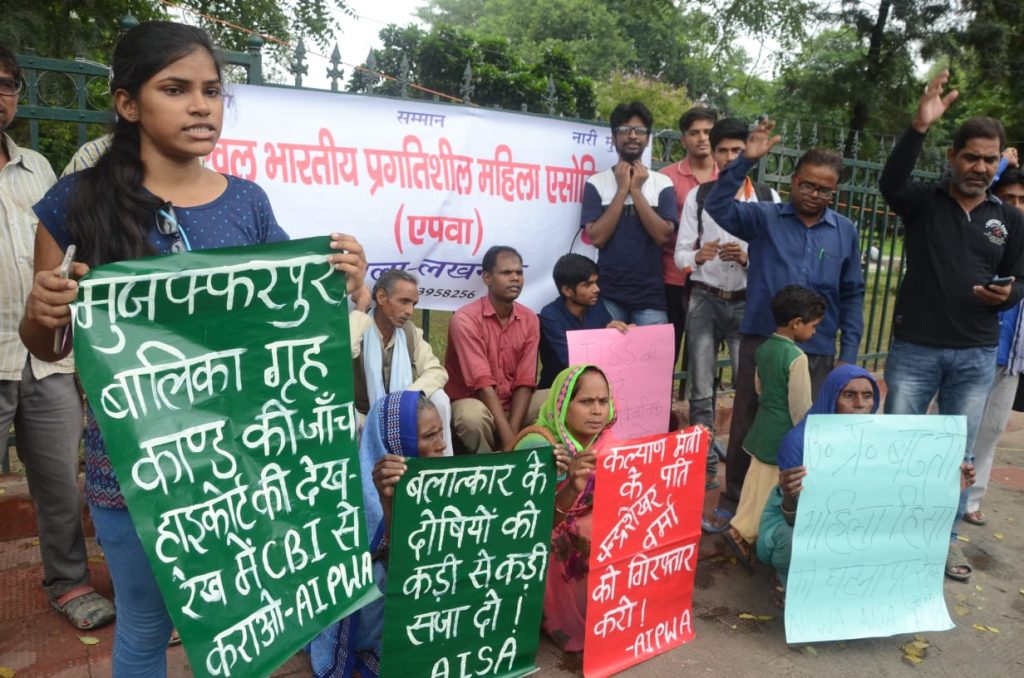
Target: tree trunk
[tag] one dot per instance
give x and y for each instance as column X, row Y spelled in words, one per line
column 861, row 108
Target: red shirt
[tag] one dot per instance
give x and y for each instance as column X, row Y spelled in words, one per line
column 482, row 353
column 684, row 181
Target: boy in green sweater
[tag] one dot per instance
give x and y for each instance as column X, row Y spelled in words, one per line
column 783, row 384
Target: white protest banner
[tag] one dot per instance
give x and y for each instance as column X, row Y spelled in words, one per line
column 426, row 187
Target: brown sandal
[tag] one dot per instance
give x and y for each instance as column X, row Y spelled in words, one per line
column 740, row 548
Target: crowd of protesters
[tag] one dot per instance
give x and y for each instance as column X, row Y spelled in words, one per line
column 697, row 244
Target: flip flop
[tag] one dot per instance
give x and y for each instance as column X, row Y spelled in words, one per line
column 975, row 518
column 85, row 608
column 718, row 523
column 175, row 639
column 957, row 560
column 740, row 548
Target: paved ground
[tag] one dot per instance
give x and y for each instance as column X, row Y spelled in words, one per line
column 35, row 641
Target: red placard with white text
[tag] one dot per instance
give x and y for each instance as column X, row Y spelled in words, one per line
column 648, row 495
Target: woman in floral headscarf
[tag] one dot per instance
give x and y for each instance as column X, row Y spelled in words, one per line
column 399, row 425
column 577, row 417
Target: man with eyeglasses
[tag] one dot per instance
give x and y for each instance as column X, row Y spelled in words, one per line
column 800, row 242
column 41, row 399
column 629, row 214
column 965, row 263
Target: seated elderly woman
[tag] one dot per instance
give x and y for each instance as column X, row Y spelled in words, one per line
column 576, row 418
column 848, row 389
column 399, row 425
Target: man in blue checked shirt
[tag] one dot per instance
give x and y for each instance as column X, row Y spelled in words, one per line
column 801, row 242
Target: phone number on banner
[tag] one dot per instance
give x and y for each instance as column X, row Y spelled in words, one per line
column 446, row 293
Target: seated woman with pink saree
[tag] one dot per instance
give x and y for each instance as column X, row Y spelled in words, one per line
column 577, row 416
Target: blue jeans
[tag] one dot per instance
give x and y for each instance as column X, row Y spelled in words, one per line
column 143, row 626
column 639, row 316
column 959, row 379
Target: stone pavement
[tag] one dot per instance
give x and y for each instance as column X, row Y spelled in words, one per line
column 35, row 641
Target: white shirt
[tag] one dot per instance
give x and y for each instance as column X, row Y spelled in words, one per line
column 23, row 181
column 723, row 275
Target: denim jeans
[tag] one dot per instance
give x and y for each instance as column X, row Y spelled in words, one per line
column 638, row 316
column 959, row 379
column 709, row 322
column 143, row 626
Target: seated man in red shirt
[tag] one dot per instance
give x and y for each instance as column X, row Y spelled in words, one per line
column 492, row 358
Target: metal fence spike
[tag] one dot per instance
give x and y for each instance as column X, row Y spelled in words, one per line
column 403, row 77
column 371, row 66
column 335, row 72
column 467, row 87
column 551, row 96
column 298, row 66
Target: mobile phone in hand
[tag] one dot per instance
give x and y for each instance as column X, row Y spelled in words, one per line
column 999, row 280
column 65, row 270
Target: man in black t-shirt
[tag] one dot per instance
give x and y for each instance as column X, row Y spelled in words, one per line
column 965, row 263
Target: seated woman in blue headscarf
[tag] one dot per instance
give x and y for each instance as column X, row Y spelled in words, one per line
column 848, row 389
column 399, row 425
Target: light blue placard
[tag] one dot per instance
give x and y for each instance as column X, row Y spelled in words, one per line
column 872, row 526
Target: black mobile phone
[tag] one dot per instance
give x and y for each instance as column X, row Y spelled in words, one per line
column 999, row 280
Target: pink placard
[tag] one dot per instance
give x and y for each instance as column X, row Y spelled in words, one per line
column 639, row 364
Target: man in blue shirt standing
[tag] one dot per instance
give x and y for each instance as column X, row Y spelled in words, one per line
column 801, row 242
column 578, row 307
column 629, row 213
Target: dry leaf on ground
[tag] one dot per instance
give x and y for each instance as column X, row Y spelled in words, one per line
column 914, row 651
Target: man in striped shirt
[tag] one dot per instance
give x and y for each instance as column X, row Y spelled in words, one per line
column 40, row 399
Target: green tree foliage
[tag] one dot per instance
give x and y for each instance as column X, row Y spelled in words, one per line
column 89, row 29
column 437, row 60
column 64, row 29
column 660, row 39
column 666, row 102
column 785, row 22
column 826, row 85
column 988, row 64
column 861, row 72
